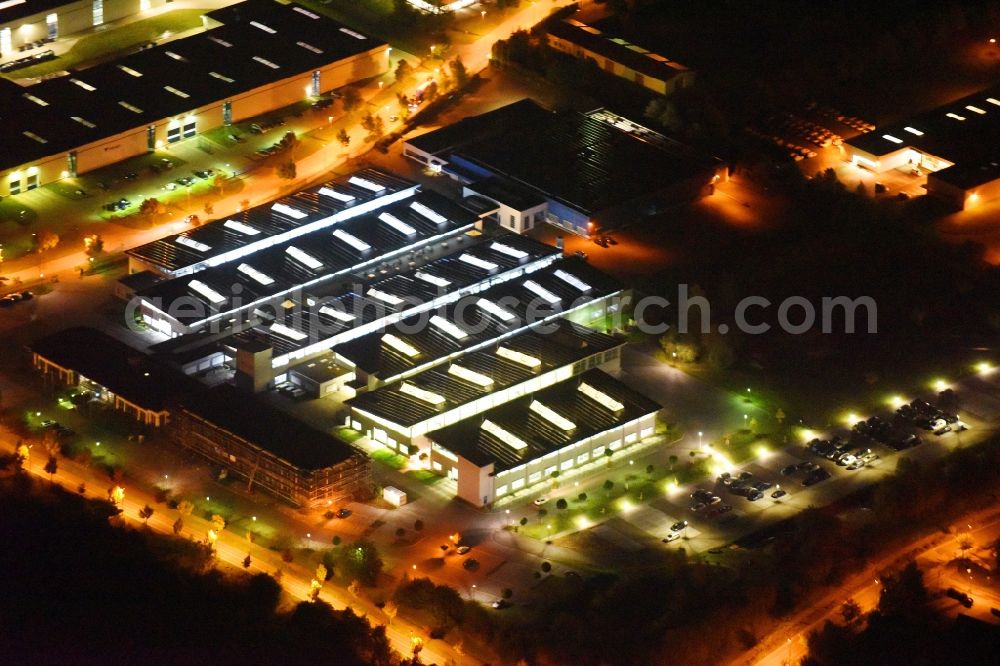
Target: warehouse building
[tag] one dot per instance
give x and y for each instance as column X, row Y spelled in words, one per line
column 619, row 57
column 566, row 288
column 26, row 26
column 115, row 374
column 519, row 446
column 955, row 145
column 400, row 415
column 254, row 57
column 269, row 449
column 579, row 171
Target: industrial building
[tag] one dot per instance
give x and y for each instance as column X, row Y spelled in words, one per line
column 579, row 171
column 619, row 57
column 115, row 374
column 955, row 145
column 269, row 449
column 553, row 432
column 401, row 414
column 32, row 23
column 252, row 58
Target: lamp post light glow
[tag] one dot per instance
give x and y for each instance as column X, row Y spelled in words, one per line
column 984, row 368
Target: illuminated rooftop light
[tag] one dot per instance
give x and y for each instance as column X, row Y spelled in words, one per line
column 365, row 183
column 508, row 250
column 192, row 243
column 351, row 240
column 889, row 137
column 339, row 196
column 541, row 292
column 249, row 270
column 551, row 416
column 214, row 297
column 221, row 42
column 35, row 137
column 432, row 279
column 427, row 212
column 600, row 397
column 221, row 77
column 175, row 91
column 130, row 71
column 993, row 100
column 285, row 209
column 913, row 130
column 400, row 345
column 518, row 357
column 984, row 368
column 175, row 56
column 240, row 227
column 287, row 332
column 397, row 224
column 37, row 100
column 309, row 47
column 266, row 28
column 423, row 395
column 448, row 327
column 504, row 435
column 470, row 376
column 355, row 35
column 336, row 314
column 83, row 84
column 495, row 310
column 391, row 299
column 266, row 62
column 84, row 122
column 572, row 280
column 477, row 262
column 955, row 116
column 304, row 11
column 976, row 109
column 131, row 107
column 303, row 257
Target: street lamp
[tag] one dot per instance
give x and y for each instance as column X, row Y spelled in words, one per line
column 699, row 439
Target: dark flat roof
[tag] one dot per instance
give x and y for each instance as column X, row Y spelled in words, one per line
column 565, row 346
column 967, row 137
column 586, row 161
column 633, row 56
column 968, row 176
column 375, row 354
column 507, row 192
column 125, row 371
column 250, row 419
column 222, row 62
column 467, row 438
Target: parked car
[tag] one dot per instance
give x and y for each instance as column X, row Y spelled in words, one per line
column 960, row 597
column 541, row 500
column 462, row 550
column 678, row 526
column 816, row 476
column 788, row 470
column 343, row 513
column 778, row 494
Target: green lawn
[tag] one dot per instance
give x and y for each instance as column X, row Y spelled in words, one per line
column 390, row 458
column 116, row 40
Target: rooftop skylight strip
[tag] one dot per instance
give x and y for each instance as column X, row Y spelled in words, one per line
column 285, row 209
column 192, row 243
column 428, row 212
column 541, row 292
column 556, row 419
column 355, row 35
column 304, row 258
column 339, row 315
column 240, row 227
column 432, row 279
column 400, row 345
column 572, row 280
column 221, row 77
column 266, row 28
column 262, row 278
column 287, row 332
column 889, row 137
column 365, row 183
column 448, row 327
column 309, row 47
column 214, row 297
column 397, row 224
column 518, row 357
column 470, row 376
column 175, row 91
column 913, row 130
column 423, row 395
column 508, row 250
column 477, row 262
column 266, row 62
column 496, row 310
column 504, row 435
column 600, row 397
column 352, row 240
column 339, row 196
column 384, row 296
column 83, row 84
column 976, row 109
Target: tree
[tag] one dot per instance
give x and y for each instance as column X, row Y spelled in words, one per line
column 146, row 513
column 507, row 593
column 343, row 137
column 607, row 454
column 178, row 525
column 51, row 466
column 246, row 561
column 46, row 240
column 904, row 593
column 418, row 525
column 582, row 497
column 850, row 610
column 287, row 170
column 390, row 609
column 459, row 73
column 673, row 461
column 649, row 469
column 546, row 567
column 218, row 523
column 608, row 485
column 561, row 503
column 336, row 540
column 523, row 521
column 151, row 207
column 360, row 561
column 351, row 99
column 403, row 70
column 400, row 532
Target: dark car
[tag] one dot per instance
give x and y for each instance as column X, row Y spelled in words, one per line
column 470, row 564
column 762, row 485
column 754, row 495
column 815, row 477
column 323, row 103
column 960, row 597
column 343, row 513
column 678, row 526
column 778, row 494
column 788, row 470
column 746, row 476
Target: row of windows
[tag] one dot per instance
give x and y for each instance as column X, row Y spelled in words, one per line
column 15, row 183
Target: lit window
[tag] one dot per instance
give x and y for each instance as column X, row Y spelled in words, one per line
column 306, row 12
column 176, row 56
column 448, row 327
column 422, row 394
column 287, row 332
column 83, row 121
column 427, row 212
column 572, row 280
column 541, row 292
column 285, row 209
column 400, row 345
column 994, row 101
column 955, row 116
column 505, row 436
column 192, row 243
column 37, row 100
column 249, row 270
column 352, row 240
column 304, row 257
column 34, row 137
column 309, row 47
column 365, row 183
column 221, row 42
column 508, row 250
column 240, row 227
column 339, row 196
column 355, row 35
column 214, row 297
column 518, row 357
column 551, row 416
